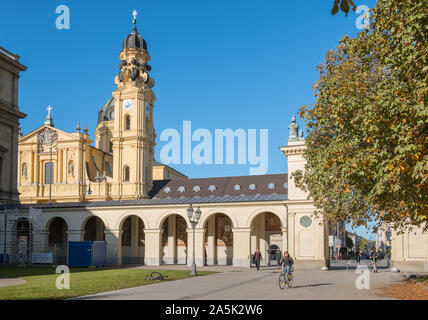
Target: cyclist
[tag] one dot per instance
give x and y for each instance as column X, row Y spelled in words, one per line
column 286, row 262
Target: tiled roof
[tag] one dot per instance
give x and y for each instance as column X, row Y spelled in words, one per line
column 224, row 186
column 271, row 187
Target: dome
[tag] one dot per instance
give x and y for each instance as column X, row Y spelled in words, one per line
column 106, row 113
column 134, row 40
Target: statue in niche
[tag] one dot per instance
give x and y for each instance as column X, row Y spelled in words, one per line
column 71, row 168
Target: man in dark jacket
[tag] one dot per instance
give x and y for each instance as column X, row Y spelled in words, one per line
column 358, row 257
column 256, row 258
column 278, row 257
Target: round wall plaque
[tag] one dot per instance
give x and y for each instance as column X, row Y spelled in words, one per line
column 305, row 221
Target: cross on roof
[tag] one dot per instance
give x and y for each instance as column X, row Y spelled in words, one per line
column 49, row 108
column 135, row 14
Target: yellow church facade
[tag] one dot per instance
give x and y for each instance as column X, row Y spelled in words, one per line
column 115, row 191
column 73, row 170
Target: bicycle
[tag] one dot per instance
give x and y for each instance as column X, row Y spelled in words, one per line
column 286, row 278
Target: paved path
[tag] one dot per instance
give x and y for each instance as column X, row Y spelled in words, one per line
column 6, row 282
column 247, row 284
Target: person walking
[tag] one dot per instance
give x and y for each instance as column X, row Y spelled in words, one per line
column 256, row 258
column 374, row 260
column 278, row 257
column 358, row 257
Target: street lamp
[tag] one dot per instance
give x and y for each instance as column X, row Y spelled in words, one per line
column 194, row 216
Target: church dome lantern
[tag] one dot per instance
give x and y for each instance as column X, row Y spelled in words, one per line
column 134, row 39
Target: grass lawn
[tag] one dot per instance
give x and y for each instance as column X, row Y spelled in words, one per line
column 423, row 280
column 83, row 281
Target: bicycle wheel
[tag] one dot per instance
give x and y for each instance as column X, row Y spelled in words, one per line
column 282, row 281
column 289, row 280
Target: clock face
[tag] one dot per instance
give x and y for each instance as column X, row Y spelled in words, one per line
column 147, row 108
column 127, row 104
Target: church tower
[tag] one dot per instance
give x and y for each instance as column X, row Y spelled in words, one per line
column 133, row 136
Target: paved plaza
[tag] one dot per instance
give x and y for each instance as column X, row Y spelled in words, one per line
column 250, row 284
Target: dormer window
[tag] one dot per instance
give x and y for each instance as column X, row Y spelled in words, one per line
column 285, row 185
column 252, row 186
column 181, row 189
column 196, row 188
column 212, row 188
column 167, row 190
column 271, row 185
column 237, row 187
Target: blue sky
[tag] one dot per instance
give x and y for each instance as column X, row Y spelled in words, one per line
column 221, row 64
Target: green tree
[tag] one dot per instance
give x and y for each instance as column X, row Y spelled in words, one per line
column 368, row 129
column 363, row 244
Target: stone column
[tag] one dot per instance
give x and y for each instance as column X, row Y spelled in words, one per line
column 114, row 247
column 284, row 239
column 171, row 256
column 263, row 242
column 211, row 239
column 134, row 240
column 75, row 235
column 241, row 247
column 199, row 247
column 254, row 235
column 291, row 236
column 153, row 247
column 41, row 241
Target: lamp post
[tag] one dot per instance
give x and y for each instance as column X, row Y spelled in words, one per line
column 194, row 216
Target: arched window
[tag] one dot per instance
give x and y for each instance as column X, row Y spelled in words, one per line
column 24, row 170
column 128, row 122
column 126, row 174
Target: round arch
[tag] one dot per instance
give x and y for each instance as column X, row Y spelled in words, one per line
column 51, row 219
column 207, row 215
column 23, row 233
column 121, row 219
column 94, row 232
column 274, row 211
column 57, row 238
column 88, row 216
column 131, row 238
column 165, row 215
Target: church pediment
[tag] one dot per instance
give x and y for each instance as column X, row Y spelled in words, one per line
column 62, row 136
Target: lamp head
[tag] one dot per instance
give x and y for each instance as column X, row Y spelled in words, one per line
column 198, row 213
column 189, row 211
